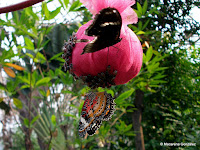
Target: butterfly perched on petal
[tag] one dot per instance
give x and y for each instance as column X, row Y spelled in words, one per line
column 97, row 107
column 106, row 29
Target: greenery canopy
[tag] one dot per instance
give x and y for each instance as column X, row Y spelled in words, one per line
column 43, row 103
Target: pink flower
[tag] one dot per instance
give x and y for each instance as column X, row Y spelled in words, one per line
column 124, row 58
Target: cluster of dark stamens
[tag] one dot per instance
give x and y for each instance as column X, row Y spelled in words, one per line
column 103, row 79
column 68, row 48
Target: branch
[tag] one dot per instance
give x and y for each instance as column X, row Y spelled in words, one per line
column 19, row 6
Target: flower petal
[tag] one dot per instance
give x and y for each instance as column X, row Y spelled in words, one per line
column 125, row 56
column 123, row 6
column 129, row 16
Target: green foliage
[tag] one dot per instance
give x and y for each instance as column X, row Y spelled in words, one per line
column 49, row 101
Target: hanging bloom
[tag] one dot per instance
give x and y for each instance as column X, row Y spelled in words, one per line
column 112, row 65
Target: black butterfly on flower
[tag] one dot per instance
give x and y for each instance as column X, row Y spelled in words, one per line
column 105, row 28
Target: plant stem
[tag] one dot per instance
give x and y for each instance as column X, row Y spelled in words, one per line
column 137, row 117
column 19, row 6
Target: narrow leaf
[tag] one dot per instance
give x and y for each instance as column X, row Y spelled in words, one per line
column 53, row 120
column 26, row 122
column 145, row 7
column 9, row 72
column 139, row 8
column 149, row 54
column 1, row 99
column 74, row 5
column 34, row 119
column 45, row 10
column 54, row 13
column 29, row 43
column 124, row 96
column 66, row 3
column 14, row 66
column 43, row 81
column 17, row 103
column 48, row 93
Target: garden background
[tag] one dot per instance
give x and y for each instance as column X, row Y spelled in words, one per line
column 40, row 104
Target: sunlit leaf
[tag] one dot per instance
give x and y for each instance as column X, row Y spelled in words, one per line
column 54, row 13
column 1, row 99
column 17, row 103
column 17, row 67
column 74, row 5
column 45, row 10
column 9, row 72
column 26, row 122
column 139, row 8
column 145, row 5
column 124, row 96
column 149, row 54
column 34, row 119
column 48, row 93
column 140, row 32
column 29, row 44
column 53, row 120
column 66, row 3
column 25, row 86
column 43, row 81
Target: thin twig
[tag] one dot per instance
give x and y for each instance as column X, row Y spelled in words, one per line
column 19, row 6
column 117, row 118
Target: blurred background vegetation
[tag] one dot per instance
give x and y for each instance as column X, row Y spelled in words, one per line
column 40, row 104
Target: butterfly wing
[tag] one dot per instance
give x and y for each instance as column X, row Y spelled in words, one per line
column 106, row 27
column 97, row 107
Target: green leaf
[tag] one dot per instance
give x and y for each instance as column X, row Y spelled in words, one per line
column 139, row 8
column 149, row 54
column 45, row 10
column 145, row 24
column 70, row 115
column 130, row 134
column 66, row 3
column 144, row 58
column 53, row 120
column 152, row 68
column 56, row 56
column 29, row 44
column 43, row 81
column 140, row 25
column 61, row 3
column 34, row 119
column 26, row 122
column 40, row 57
column 24, row 79
column 159, row 76
column 17, row 103
column 124, row 96
column 140, row 32
column 1, row 99
column 54, row 13
column 74, row 6
column 138, row 13
column 24, row 86
column 128, row 128
column 198, row 77
column 145, row 5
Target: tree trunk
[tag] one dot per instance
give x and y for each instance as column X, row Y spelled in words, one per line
column 137, row 117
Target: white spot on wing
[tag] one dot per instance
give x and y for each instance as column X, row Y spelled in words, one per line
column 84, row 122
column 110, row 23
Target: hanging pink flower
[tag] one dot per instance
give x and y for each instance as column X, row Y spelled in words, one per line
column 115, row 65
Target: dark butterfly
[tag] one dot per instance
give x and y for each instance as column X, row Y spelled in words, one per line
column 106, row 28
